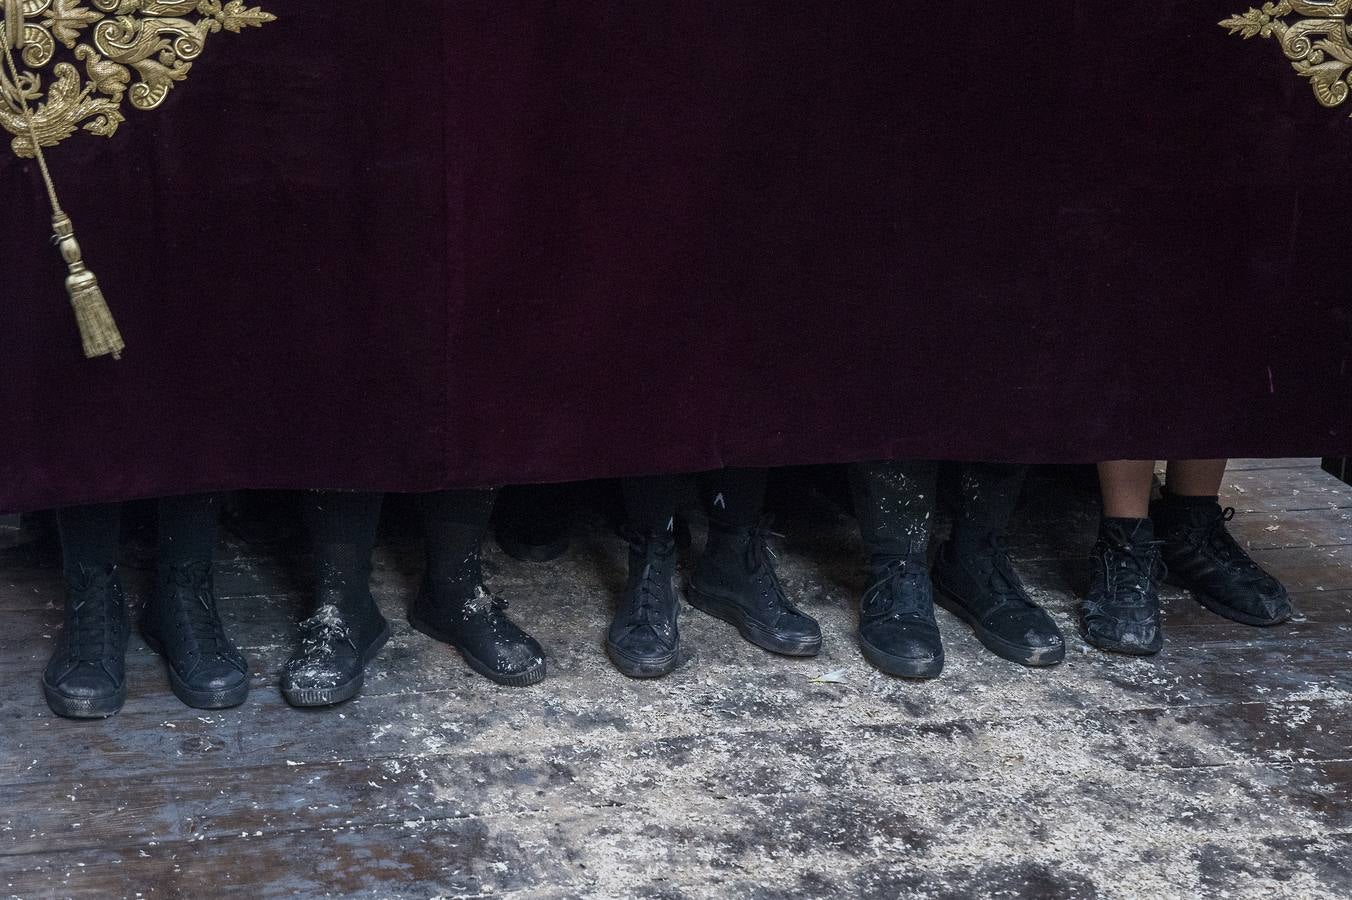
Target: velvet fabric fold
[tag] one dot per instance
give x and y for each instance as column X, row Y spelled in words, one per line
column 433, row 245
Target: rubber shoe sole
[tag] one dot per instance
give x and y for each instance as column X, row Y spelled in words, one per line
column 222, row 699
column 902, row 666
column 1024, row 655
column 305, row 698
column 752, row 631
column 534, row 675
column 1225, row 611
column 84, row 707
column 651, row 667
column 1124, row 649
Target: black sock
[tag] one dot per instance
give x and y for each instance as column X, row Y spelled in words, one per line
column 90, row 536
column 1169, row 498
column 189, row 527
column 650, row 503
column 454, row 523
column 735, row 498
column 343, row 526
column 894, row 503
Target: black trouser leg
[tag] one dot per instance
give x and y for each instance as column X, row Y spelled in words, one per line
column 734, row 498
column 343, row 527
column 650, row 503
column 894, row 503
column 454, row 524
column 984, row 500
column 189, row 528
column 736, row 559
column 89, row 536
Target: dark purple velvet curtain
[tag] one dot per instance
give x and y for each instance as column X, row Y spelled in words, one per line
column 445, row 243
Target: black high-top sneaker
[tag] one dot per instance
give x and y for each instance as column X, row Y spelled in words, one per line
column 206, row 670
column 344, row 633
column 1121, row 612
column 976, row 582
column 86, row 677
column 643, row 640
column 897, row 629
column 1204, row 558
column 475, row 622
column 735, row 581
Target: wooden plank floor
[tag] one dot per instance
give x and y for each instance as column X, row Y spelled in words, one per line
column 1220, row 768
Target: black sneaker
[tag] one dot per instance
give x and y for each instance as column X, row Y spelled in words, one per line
column 1204, row 558
column 897, row 629
column 336, row 643
column 643, row 640
column 981, row 587
column 477, row 625
column 1121, row 612
column 87, row 677
column 736, row 581
column 206, row 671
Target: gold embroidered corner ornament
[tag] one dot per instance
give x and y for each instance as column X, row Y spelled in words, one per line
column 132, row 51
column 1314, row 35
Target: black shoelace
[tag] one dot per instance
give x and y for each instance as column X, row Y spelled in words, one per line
column 1216, row 538
column 92, row 615
column 649, row 595
column 1139, row 563
column 1004, row 581
column 888, row 595
column 321, row 632
column 191, row 590
column 760, row 560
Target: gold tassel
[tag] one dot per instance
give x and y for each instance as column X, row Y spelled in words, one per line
column 98, row 331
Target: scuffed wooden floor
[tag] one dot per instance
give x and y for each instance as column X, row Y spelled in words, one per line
column 1220, row 768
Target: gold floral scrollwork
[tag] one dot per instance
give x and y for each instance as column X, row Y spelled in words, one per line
column 82, row 60
column 1314, row 35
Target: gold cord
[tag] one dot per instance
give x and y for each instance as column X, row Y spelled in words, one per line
column 98, row 331
column 14, row 20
